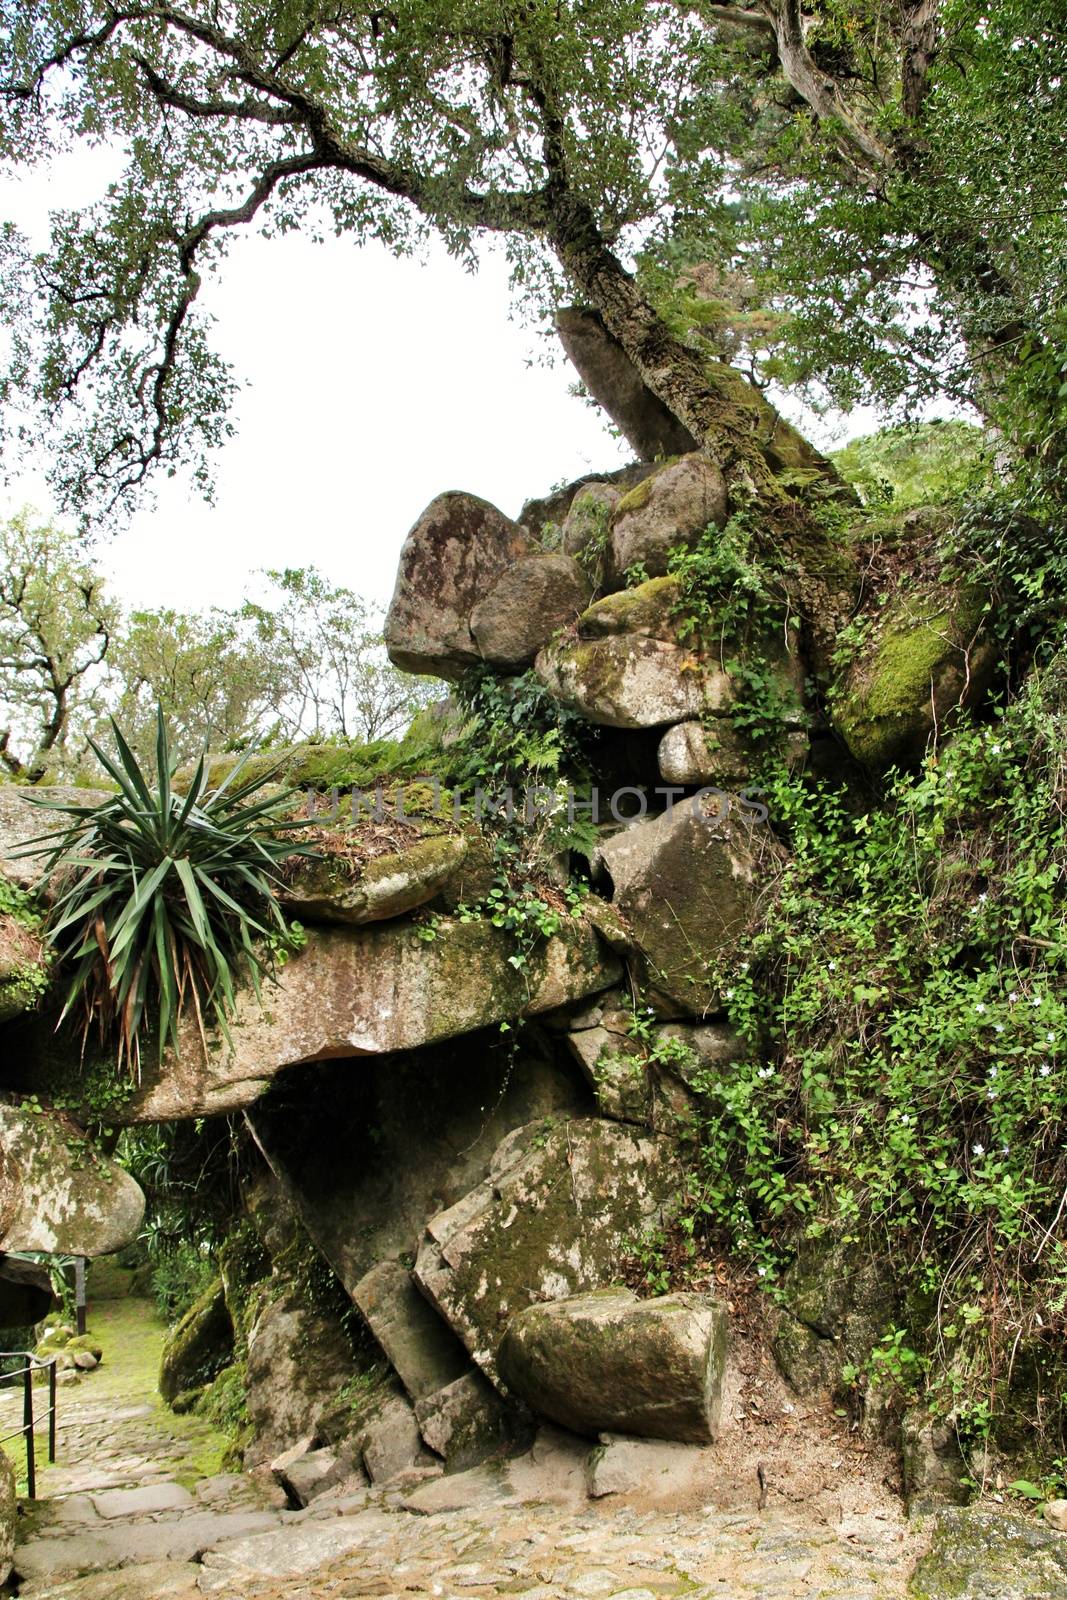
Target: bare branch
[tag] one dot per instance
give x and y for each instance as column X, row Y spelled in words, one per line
column 737, row 17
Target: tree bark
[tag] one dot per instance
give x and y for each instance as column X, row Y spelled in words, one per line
column 767, row 464
column 723, row 411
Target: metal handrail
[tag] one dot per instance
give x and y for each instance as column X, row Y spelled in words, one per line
column 33, row 1364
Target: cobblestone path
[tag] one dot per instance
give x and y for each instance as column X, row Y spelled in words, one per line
column 138, row 1509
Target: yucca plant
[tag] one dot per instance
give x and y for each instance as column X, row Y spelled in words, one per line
column 165, row 902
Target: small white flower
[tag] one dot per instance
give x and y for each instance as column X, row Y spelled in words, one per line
column 998, row 1027
column 905, row 1119
column 995, row 748
column 1051, row 1037
column 980, row 1008
column 761, row 1272
column 1045, row 1069
column 1036, row 1001
column 991, row 1094
column 831, row 966
column 982, row 898
column 729, row 994
column 765, row 1072
column 1013, row 996
column 979, row 1149
column 992, row 1072
column 744, row 966
column 1004, row 1149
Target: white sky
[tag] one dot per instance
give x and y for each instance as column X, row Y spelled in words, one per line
column 370, row 385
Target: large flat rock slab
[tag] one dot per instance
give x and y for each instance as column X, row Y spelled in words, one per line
column 129, row 1542
column 290, row 1552
column 144, row 1502
column 351, row 992
column 150, row 1580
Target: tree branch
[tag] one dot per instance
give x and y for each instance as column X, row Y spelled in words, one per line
column 918, row 50
column 822, row 92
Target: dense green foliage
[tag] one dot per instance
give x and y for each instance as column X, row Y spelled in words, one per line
column 167, row 900
column 896, row 228
column 905, row 467
column 904, row 997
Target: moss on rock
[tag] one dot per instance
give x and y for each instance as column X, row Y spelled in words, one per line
column 199, row 1347
column 648, row 608
column 976, row 1553
column 325, row 888
column 926, row 661
column 23, row 967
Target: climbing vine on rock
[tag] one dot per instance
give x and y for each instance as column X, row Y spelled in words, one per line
column 904, row 1003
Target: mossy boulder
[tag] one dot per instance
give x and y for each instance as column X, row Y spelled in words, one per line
column 610, row 1363
column 557, row 1214
column 458, row 550
column 838, row 1300
column 634, row 665
column 298, row 1361
column 715, row 752
column 532, row 599
column 646, row 608
column 630, row 680
column 467, row 1422
column 587, row 532
column 199, row 1346
column 686, row 883
column 926, row 659
column 58, row 1194
column 544, row 514
column 325, row 889
column 935, row 1473
column 671, row 508
column 982, row 1554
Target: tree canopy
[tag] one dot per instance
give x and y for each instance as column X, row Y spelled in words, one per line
column 849, row 158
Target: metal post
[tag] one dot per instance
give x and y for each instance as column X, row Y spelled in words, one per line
column 52, row 1412
column 27, row 1424
column 79, row 1292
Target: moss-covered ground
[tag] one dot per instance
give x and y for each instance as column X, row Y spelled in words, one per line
column 131, row 1335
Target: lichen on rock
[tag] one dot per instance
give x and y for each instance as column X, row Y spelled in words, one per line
column 553, row 1219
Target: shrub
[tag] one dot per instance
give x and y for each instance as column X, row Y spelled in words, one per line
column 165, row 900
